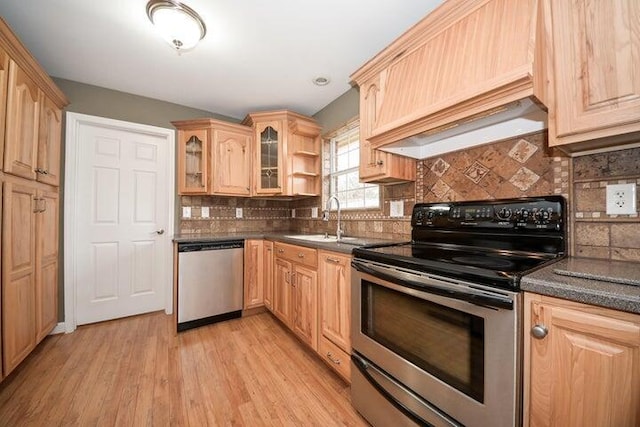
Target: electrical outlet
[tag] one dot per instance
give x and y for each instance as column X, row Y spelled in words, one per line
column 621, row 199
column 314, row 212
column 238, row 213
column 186, row 212
column 396, row 208
column 293, row 213
column 204, row 212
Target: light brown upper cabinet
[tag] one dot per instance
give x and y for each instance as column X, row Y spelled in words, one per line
column 466, row 59
column 21, row 134
column 4, row 72
column 214, row 157
column 287, row 154
column 378, row 166
column 49, row 136
column 596, row 52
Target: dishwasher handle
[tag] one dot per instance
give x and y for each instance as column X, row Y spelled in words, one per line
column 210, row 246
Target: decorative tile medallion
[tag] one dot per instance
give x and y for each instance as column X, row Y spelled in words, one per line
column 522, row 151
column 440, row 189
column 476, row 172
column 524, row 179
column 440, row 167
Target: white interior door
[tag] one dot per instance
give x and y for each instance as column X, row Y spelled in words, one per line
column 120, row 218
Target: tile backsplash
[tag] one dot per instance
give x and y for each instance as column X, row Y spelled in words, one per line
column 518, row 167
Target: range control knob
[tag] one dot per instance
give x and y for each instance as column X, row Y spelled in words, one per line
column 419, row 216
column 504, row 213
column 430, row 215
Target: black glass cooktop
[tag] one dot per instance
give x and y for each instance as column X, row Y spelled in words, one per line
column 494, row 268
column 491, row 242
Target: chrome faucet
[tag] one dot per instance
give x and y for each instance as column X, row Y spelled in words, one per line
column 325, row 216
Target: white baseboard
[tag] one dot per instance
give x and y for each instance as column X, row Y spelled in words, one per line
column 59, row 329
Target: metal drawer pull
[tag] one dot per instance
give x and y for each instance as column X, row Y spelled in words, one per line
column 539, row 331
column 333, row 359
column 280, row 251
column 334, row 260
column 300, row 255
column 161, row 231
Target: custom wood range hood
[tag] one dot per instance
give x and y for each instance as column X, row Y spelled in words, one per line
column 469, row 73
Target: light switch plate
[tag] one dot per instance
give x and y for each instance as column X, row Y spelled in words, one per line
column 314, row 212
column 238, row 213
column 186, row 212
column 396, row 208
column 204, row 212
column 621, row 199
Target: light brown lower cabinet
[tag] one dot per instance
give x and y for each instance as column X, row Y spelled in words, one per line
column 267, row 273
column 29, row 270
column 582, row 364
column 334, row 294
column 295, row 288
column 253, row 277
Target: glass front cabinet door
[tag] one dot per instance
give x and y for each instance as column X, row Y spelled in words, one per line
column 193, row 161
column 269, row 158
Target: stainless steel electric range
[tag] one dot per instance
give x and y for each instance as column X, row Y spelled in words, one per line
column 437, row 321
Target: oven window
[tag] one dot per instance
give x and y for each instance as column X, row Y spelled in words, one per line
column 447, row 343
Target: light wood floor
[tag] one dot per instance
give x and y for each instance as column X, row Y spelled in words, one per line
column 135, row 372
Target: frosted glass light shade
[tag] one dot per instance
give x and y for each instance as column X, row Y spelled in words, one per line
column 178, row 24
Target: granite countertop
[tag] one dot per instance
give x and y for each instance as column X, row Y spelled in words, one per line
column 611, row 284
column 284, row 236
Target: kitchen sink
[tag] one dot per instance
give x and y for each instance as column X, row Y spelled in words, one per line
column 322, row 238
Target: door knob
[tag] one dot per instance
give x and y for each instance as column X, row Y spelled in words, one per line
column 539, row 331
column 161, row 231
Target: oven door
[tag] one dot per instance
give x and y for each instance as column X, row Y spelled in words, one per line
column 453, row 346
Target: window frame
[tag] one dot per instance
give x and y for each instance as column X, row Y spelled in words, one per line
column 330, row 173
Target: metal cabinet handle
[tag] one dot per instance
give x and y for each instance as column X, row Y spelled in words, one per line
column 36, row 209
column 333, row 260
column 161, row 231
column 380, row 163
column 293, row 280
column 300, row 255
column 40, row 171
column 333, row 359
column 539, row 331
column 280, row 251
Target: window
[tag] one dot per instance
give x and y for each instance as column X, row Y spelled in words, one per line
column 344, row 182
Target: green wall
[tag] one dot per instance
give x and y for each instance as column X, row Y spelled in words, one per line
column 337, row 113
column 98, row 101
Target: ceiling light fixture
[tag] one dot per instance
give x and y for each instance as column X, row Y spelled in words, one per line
column 321, row 81
column 177, row 23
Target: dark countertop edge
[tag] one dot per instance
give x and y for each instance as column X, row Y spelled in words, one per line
column 610, row 295
column 279, row 237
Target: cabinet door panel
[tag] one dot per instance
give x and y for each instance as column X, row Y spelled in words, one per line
column 50, row 133
column 596, row 53
column 18, row 274
column 269, row 158
column 47, row 264
column 23, row 109
column 305, row 316
column 585, row 359
column 268, row 274
column 282, row 291
column 4, row 71
column 193, row 161
column 253, row 278
column 335, row 298
column 232, row 160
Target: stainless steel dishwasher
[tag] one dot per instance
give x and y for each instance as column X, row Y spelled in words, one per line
column 210, row 282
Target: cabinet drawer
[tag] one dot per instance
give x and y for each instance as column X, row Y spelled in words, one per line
column 297, row 254
column 337, row 359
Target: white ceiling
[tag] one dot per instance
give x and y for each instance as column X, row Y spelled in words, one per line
column 257, row 54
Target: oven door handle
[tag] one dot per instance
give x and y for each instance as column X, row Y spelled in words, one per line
column 470, row 295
